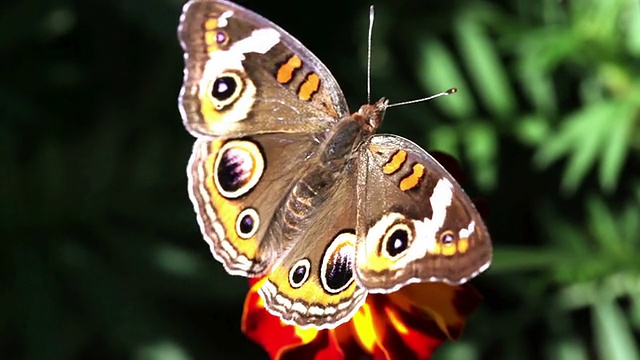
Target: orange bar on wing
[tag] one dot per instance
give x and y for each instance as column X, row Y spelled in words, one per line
column 395, row 163
column 309, row 87
column 286, row 70
column 412, row 180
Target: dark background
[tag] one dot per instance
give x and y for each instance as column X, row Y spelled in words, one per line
column 102, row 256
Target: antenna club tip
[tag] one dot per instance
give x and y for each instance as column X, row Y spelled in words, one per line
column 451, row 91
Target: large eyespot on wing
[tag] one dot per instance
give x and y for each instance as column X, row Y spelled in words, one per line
column 427, row 230
column 317, row 290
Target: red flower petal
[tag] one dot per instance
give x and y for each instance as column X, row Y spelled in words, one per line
column 411, row 323
column 447, row 305
column 269, row 331
column 397, row 334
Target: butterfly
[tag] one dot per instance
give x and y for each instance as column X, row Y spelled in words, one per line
column 288, row 184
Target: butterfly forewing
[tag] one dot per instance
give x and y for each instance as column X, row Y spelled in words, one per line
column 245, row 75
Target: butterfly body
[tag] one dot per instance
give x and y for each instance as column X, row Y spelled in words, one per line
column 287, row 184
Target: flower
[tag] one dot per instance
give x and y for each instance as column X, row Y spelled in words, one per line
column 408, row 324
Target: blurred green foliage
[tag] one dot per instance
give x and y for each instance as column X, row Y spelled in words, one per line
column 102, row 256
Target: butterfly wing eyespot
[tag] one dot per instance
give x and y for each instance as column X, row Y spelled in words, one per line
column 299, row 273
column 336, row 268
column 225, row 90
column 397, row 239
column 247, row 223
column 238, row 167
column 447, row 237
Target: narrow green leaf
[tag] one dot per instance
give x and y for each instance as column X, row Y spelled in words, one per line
column 604, row 228
column 438, row 72
column 162, row 350
column 514, row 259
column 569, row 135
column 481, row 144
column 567, row 349
column 563, row 234
column 444, row 138
column 613, row 337
column 617, row 146
column 542, row 50
column 457, row 350
column 538, row 85
column 577, row 295
column 485, row 68
column 632, row 22
column 532, row 129
column 630, row 224
column 634, row 319
column 592, row 127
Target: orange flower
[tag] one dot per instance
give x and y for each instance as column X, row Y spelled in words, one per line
column 408, row 324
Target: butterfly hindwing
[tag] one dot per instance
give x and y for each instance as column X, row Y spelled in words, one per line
column 236, row 186
column 314, row 283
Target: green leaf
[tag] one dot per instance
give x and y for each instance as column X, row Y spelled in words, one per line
column 632, row 21
column 445, row 138
column 513, row 259
column 481, row 143
column 485, row 68
column 457, row 350
column 538, row 85
column 162, row 350
column 617, row 146
column 613, row 337
column 438, row 71
column 634, row 319
column 630, row 223
column 603, row 225
column 581, row 138
column 532, row 129
column 567, row 349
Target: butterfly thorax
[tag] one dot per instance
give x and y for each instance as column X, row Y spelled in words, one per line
column 327, row 168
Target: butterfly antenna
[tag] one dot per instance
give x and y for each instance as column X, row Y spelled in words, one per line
column 443, row 93
column 371, row 17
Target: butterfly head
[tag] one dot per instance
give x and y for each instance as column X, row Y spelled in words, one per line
column 370, row 116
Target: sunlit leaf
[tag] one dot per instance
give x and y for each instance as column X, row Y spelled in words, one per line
column 512, row 259
column 444, row 138
column 457, row 350
column 538, row 85
column 532, row 129
column 580, row 138
column 613, row 337
column 485, row 67
column 630, row 223
column 567, row 349
column 617, row 146
column 632, row 21
column 481, row 143
column 162, row 350
column 438, row 71
column 604, row 227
